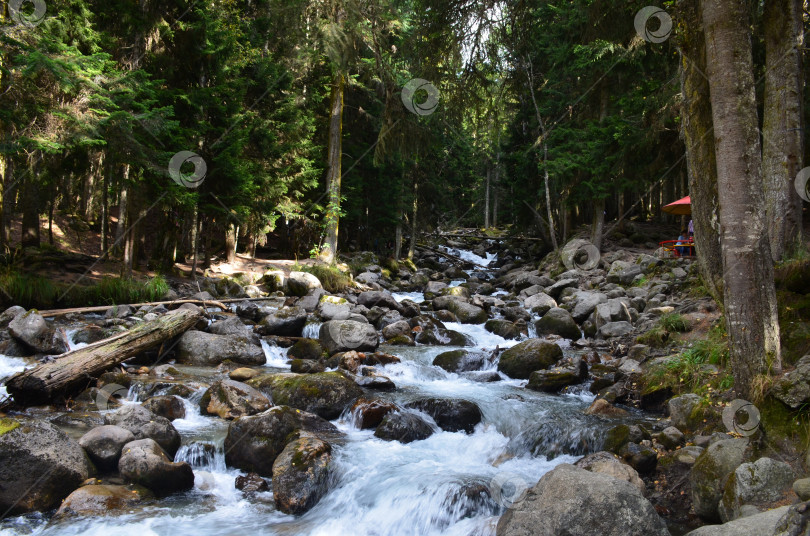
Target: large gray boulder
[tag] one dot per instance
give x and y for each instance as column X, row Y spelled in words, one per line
column 36, row 333
column 375, row 298
column 231, row 326
column 286, row 322
column 450, row 414
column 710, row 472
column 623, row 273
column 301, row 474
column 99, row 500
column 609, row 464
column 230, row 399
column 208, row 349
column 558, row 321
column 460, row 360
column 103, row 445
column 403, row 426
column 539, row 303
column 764, row 524
column 146, row 425
column 143, row 462
column 253, row 443
column 570, row 500
column 343, row 335
column 39, row 466
column 615, row 329
column 466, row 313
column 300, row 283
column 585, row 302
column 680, row 410
column 524, row 358
column 761, row 483
column 333, row 308
column 325, row 394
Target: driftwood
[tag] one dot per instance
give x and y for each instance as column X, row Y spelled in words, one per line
column 102, row 308
column 72, row 370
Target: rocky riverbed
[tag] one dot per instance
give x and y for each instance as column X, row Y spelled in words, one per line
column 477, row 394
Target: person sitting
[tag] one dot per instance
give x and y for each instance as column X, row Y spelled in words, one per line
column 681, row 241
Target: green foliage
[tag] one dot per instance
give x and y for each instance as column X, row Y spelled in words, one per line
column 331, row 277
column 674, row 322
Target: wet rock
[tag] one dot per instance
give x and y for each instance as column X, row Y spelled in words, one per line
column 557, row 288
column 251, row 483
column 343, row 335
column 709, row 474
column 207, row 349
column 609, row 464
column 460, row 360
column 39, row 466
column 325, row 394
column 376, row 298
column 243, row 374
column 97, row 500
column 396, row 329
column 146, row 425
column 299, row 283
column 431, row 331
column 301, row 474
column 37, row 334
column 306, row 366
column 526, row 357
column 642, row 459
column 764, row 524
column 103, row 445
column 90, row 334
column 403, row 426
column 516, row 313
column 552, row 380
column 231, row 326
column 558, row 322
column 600, row 406
column 286, row 322
column 230, row 399
column 143, row 462
column 119, row 311
column 306, row 349
column 451, row 414
column 10, row 314
column 333, row 308
column 370, row 413
column 170, row 407
column 502, row 328
column 570, row 500
column 794, row 387
column 482, row 376
column 762, row 483
column 309, row 303
column 253, row 443
column 539, row 303
column 466, row 313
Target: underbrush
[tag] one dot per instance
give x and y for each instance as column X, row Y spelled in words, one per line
column 331, row 278
column 37, row 292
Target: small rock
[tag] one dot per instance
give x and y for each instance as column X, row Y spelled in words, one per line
column 143, row 462
column 103, row 445
column 403, row 426
column 251, row 483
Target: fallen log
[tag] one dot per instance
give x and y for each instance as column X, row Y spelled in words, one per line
column 73, row 370
column 103, row 308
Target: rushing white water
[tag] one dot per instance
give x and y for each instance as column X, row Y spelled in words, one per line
column 449, row 483
column 8, row 367
column 312, row 330
column 276, row 356
column 416, row 297
column 469, row 256
column 69, row 338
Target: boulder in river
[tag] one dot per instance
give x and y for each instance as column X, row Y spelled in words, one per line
column 146, row 425
column 231, row 326
column 103, row 445
column 286, row 322
column 306, row 349
column 451, row 414
column 143, row 462
column 207, row 349
column 432, row 331
column 300, row 283
column 102, row 499
column 370, row 413
column 552, row 380
column 325, row 394
column 710, row 472
column 301, row 474
column 39, row 466
column 526, row 357
column 253, row 443
column 36, row 333
column 502, row 328
column 558, row 322
column 168, row 406
column 608, row 463
column 570, row 500
column 403, row 426
column 343, row 335
column 230, row 399
column 460, row 360
column 466, row 313
column 539, row 303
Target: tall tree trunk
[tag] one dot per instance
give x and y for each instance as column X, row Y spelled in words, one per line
column 195, row 240
column 495, row 190
column 750, row 296
column 122, row 207
column 30, row 206
column 400, row 217
column 412, row 246
column 105, row 208
column 486, row 200
column 782, row 127
column 334, row 175
column 701, row 163
column 598, row 228
column 230, row 243
column 552, row 233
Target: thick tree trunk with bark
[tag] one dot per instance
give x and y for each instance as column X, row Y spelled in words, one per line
column 750, row 295
column 696, row 130
column 75, row 370
column 30, row 206
column 598, row 228
column 333, row 178
column 782, row 127
column 230, row 243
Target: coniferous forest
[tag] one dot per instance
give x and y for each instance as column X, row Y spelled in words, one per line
column 404, row 267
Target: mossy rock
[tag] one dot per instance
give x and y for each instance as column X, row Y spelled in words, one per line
column 307, row 349
column 616, row 438
column 534, row 354
column 325, row 394
column 7, row 425
column 459, row 361
column 401, row 340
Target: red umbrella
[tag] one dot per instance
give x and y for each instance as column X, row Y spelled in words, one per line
column 681, row 207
